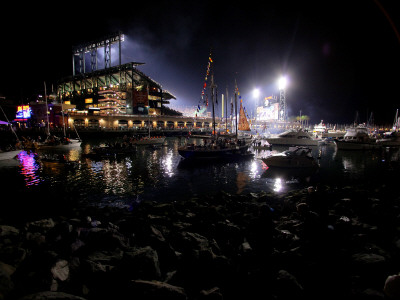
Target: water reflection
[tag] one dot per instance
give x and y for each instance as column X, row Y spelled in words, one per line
column 162, row 175
column 166, row 162
column 29, row 168
column 278, row 185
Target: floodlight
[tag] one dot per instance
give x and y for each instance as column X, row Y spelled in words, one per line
column 256, row 93
column 282, row 83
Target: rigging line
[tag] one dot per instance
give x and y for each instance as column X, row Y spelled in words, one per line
column 389, row 19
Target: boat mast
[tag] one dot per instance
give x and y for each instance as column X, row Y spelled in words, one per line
column 12, row 129
column 226, row 111
column 47, row 109
column 213, row 87
column 236, row 123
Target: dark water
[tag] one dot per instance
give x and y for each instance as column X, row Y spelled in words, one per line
column 29, row 185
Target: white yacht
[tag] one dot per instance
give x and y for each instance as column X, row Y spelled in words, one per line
column 357, row 138
column 320, row 129
column 294, row 138
column 295, row 157
column 390, row 139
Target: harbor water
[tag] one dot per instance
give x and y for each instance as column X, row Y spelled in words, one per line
column 33, row 187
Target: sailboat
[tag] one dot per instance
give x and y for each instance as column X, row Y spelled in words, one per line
column 149, row 140
column 9, row 153
column 221, row 148
column 391, row 138
column 243, row 126
column 54, row 142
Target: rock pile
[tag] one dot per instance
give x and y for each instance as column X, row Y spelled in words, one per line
column 316, row 243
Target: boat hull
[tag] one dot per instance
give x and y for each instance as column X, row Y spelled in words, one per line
column 348, row 145
column 389, row 142
column 113, row 150
column 209, row 153
column 70, row 144
column 9, row 154
column 292, row 142
column 149, row 141
column 288, row 162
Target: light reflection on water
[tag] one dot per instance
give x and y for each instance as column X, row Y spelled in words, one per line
column 162, row 175
column 29, row 168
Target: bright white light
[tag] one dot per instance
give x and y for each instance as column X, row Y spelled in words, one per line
column 282, row 83
column 278, row 185
column 256, row 93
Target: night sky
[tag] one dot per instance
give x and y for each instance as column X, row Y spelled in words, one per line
column 340, row 57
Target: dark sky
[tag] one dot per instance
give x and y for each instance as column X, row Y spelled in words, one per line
column 340, row 57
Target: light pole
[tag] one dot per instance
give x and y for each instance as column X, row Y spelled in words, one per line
column 256, row 95
column 282, row 99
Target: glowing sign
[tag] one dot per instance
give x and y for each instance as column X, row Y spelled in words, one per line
column 268, row 113
column 23, row 112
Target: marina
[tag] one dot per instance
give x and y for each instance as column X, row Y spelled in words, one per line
column 160, row 174
column 133, row 165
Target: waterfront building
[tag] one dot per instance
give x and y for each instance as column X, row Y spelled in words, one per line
column 122, row 89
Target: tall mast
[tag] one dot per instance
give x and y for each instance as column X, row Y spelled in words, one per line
column 226, row 111
column 236, row 123
column 213, row 86
column 47, row 109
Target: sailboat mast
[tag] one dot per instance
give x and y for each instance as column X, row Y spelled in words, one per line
column 226, row 111
column 236, row 123
column 47, row 109
column 213, row 86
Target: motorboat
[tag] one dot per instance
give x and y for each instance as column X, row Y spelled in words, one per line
column 221, row 148
column 357, row 138
column 112, row 149
column 6, row 155
column 390, row 139
column 320, row 129
column 57, row 143
column 149, row 141
column 294, row 138
column 295, row 157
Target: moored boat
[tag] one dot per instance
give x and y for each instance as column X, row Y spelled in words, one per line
column 149, row 141
column 112, row 149
column 225, row 146
column 5, row 155
column 295, row 157
column 357, row 138
column 215, row 149
column 54, row 142
column 294, row 138
column 389, row 139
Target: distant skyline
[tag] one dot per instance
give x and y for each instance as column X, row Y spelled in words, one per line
column 340, row 57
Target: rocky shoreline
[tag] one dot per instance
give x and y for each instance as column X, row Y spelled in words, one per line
column 317, row 243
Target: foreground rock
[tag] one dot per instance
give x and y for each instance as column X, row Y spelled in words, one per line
column 316, row 244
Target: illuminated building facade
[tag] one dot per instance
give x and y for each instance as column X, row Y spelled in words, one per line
column 112, row 90
column 118, row 90
column 269, row 111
